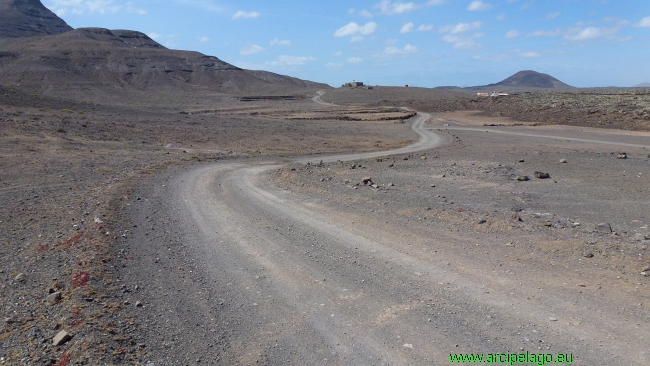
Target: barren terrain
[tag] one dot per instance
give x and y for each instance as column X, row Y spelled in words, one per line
column 219, row 230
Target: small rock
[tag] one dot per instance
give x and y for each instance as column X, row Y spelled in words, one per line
column 380, row 160
column 53, row 298
column 374, row 185
column 646, row 269
column 588, row 254
column 604, row 228
column 621, row 155
column 553, row 319
column 20, row 277
column 639, row 237
column 522, row 178
column 521, row 160
column 423, row 158
column 61, row 338
column 515, row 216
column 98, row 220
column 481, row 221
column 433, row 186
column 138, row 304
column 542, row 175
column 366, row 180
column 405, row 158
column 563, row 161
column 408, row 345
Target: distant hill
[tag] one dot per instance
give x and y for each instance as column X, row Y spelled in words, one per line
column 41, row 53
column 642, row 85
column 527, row 80
column 26, row 18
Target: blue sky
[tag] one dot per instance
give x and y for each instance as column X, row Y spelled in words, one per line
column 584, row 43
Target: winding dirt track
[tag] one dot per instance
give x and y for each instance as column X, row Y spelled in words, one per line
column 307, row 285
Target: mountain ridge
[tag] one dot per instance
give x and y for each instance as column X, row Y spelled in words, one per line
column 27, row 18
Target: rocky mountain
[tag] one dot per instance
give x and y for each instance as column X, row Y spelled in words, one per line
column 26, row 18
column 529, row 79
column 642, row 85
column 92, row 63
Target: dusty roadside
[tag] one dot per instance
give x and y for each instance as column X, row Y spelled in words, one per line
column 69, row 171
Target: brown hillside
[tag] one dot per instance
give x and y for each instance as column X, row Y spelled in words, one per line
column 88, row 63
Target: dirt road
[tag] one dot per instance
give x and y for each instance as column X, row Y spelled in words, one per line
column 237, row 270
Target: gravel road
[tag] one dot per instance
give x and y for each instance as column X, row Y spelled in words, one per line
column 236, row 270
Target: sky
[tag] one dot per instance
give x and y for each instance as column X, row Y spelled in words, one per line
column 426, row 43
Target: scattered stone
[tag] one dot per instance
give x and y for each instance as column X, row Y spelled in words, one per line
column 563, row 161
column 366, row 180
column 423, row 158
column 405, row 158
column 374, row 185
column 433, row 186
column 53, row 298
column 353, row 166
column 522, row 178
column 621, row 155
column 379, row 160
column 481, row 221
column 98, row 220
column 139, row 304
column 61, row 338
column 646, row 269
column 542, row 175
column 20, row 277
column 521, row 160
column 604, row 228
column 639, row 237
column 408, row 345
column 553, row 319
column 588, row 254
column 515, row 216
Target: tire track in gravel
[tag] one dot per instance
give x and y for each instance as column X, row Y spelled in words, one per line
column 309, row 287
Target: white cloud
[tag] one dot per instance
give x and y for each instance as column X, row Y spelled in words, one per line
column 457, row 37
column 280, row 42
column 463, row 42
column 512, row 34
column 78, row 7
column 338, row 53
column 542, row 33
column 552, row 15
column 392, row 41
column 406, row 28
column 354, row 60
column 587, row 33
column 388, row 7
column 530, row 54
column 395, row 51
column 245, row 15
column 460, row 27
column 478, row 6
column 356, row 39
column 249, row 50
column 203, row 4
column 204, row 39
column 425, row 27
column 292, row 60
column 354, row 29
column 645, row 22
column 508, row 55
column 333, row 65
column 365, row 13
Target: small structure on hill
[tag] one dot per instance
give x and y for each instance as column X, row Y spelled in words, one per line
column 353, row 84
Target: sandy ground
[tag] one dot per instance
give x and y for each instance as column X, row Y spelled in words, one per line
column 206, row 237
